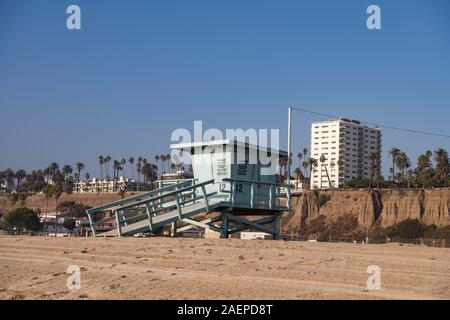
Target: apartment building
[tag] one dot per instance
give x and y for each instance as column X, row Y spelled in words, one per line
column 97, row 185
column 348, row 150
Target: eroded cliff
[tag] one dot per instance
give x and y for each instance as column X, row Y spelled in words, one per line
column 370, row 207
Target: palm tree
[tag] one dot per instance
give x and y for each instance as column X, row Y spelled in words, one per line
column 168, row 162
column 299, row 156
column 374, row 166
column 87, row 176
column 57, row 192
column 80, row 166
column 48, row 192
column 305, row 152
column 46, row 173
column 101, row 161
column 157, row 160
column 394, row 153
column 409, row 178
column 298, row 174
column 117, row 167
column 145, row 172
column 131, row 162
column 2, row 177
column 123, row 162
column 322, row 160
column 305, row 166
column 66, row 170
column 403, row 163
column 313, row 163
column 442, row 166
column 138, row 170
column 9, row 177
column 423, row 168
column 106, row 161
column 163, row 160
column 54, row 168
column 20, row 175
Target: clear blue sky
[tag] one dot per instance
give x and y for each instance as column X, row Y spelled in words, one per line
column 139, row 69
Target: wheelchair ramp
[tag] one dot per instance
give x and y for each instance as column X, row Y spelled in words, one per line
column 161, row 220
column 148, row 211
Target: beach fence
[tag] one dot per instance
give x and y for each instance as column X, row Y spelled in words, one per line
column 435, row 243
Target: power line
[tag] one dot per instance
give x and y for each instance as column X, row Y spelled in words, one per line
column 376, row 124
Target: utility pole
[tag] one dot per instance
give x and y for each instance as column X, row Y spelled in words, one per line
column 289, row 146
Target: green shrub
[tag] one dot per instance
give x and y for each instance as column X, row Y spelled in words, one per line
column 408, row 229
column 69, row 224
column 23, row 219
column 443, row 233
column 72, row 209
column 315, row 226
column 343, row 226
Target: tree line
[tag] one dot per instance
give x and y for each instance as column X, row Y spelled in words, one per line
column 432, row 170
column 67, row 176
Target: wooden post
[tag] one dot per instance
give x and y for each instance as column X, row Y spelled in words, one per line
column 92, row 224
column 224, row 229
column 173, row 229
column 276, row 227
column 149, row 216
column 205, row 197
column 252, row 195
column 177, row 199
column 119, row 227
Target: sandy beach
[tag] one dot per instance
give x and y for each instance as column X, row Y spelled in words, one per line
column 182, row 268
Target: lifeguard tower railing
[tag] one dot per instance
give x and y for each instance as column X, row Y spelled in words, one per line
column 179, row 201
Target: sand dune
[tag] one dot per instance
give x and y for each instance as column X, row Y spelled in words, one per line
column 180, row 268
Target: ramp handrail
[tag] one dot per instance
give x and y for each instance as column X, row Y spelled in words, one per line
column 156, row 202
column 137, row 197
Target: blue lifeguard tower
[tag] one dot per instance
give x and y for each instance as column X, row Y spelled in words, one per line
column 235, row 180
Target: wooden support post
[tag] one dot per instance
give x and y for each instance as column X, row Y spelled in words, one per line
column 119, row 227
column 252, row 195
column 92, row 224
column 177, row 199
column 201, row 224
column 271, row 197
column 232, row 191
column 224, row 229
column 251, row 224
column 276, row 227
column 149, row 216
column 205, row 197
column 173, row 229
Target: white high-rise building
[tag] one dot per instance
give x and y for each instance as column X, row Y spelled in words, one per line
column 351, row 150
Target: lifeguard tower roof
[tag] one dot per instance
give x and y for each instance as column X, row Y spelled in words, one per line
column 190, row 146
